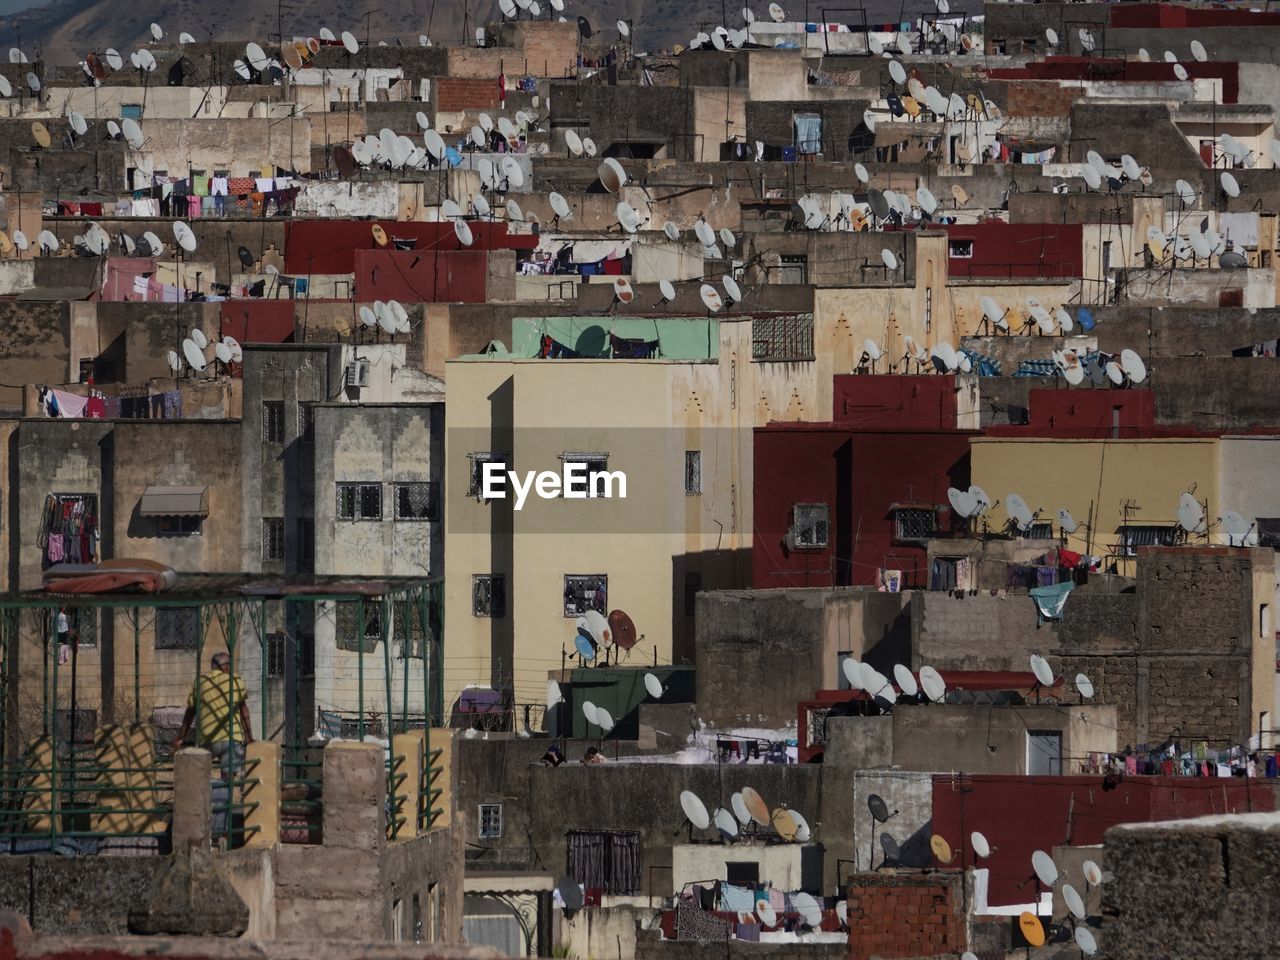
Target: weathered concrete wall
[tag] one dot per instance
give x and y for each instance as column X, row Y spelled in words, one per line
column 76, row 895
column 910, row 797
column 1190, row 883
column 35, row 342
column 652, row 948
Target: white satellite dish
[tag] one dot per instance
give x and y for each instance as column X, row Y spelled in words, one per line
column 1092, row 178
column 156, row 32
column 611, row 175
column 195, row 359
column 1085, row 940
column 944, row 357
column 704, row 232
column 767, row 915
column 981, row 848
column 175, row 362
column 1040, row 667
column 653, row 686
column 222, row 352
column 512, row 172
column 897, row 72
column 560, row 206
column 508, row 8
column 114, row 60
column 931, row 682
column 928, row 202
column 327, row 35
column 1133, row 366
column 1067, row 521
column 1051, row 35
column 962, row 502
column 1092, row 873
column 78, row 123
column 184, row 38
column 237, row 353
column 667, row 289
column 906, row 681
column 478, row 137
column 695, row 810
column 573, row 142
column 1185, row 192
column 463, row 232
column 710, row 298
column 861, row 172
column 803, row 833
column 47, row 242
column 1180, row 71
column 732, row 289
column 155, row 246
column 776, row 13
column 368, row 318
column 1229, row 184
column 256, row 56
column 1130, row 167
column 1114, row 373
column 627, row 216
column 1044, row 867
column 242, row 69
column 132, row 132
column 1239, row 531
column 198, row 338
column 480, row 205
column 589, row 710
column 1190, row 513
column 888, row 259
column 725, row 823
column 872, row 349
column 624, row 29
column 350, row 42
column 6, row 89
column 1018, row 511
column 434, row 144
column 1084, row 686
column 182, row 233
column 20, row 240
column 727, row 238
column 604, row 720
column 1198, row 51
column 1073, row 901
column 671, row 230
column 852, row 670
column 514, row 213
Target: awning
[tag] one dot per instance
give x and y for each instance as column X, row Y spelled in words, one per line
column 175, row 502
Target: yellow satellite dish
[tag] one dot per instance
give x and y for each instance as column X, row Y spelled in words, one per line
column 1032, row 929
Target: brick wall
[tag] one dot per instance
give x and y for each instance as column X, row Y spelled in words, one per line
column 1044, row 98
column 454, row 94
column 901, row 916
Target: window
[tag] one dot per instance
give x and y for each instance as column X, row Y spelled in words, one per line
column 1145, row 536
column 84, row 626
column 306, row 423
column 913, row 523
column 102, row 371
column 272, row 538
column 275, row 655
column 1044, row 753
column 1269, row 532
column 608, row 860
column 1038, row 531
column 583, row 592
column 693, row 473
column 177, row 628
column 595, row 463
column 416, row 500
column 743, row 873
column 306, row 540
column 131, row 111
column 475, row 484
column 359, row 501
column 273, row 421
column 178, row 526
column 489, row 595
column 348, row 631
column 306, row 653
column 809, row 526
column 490, row 821
column 960, row 249
column 782, row 338
column 808, row 133
column 794, row 269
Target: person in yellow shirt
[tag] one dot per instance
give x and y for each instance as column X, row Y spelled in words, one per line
column 218, row 698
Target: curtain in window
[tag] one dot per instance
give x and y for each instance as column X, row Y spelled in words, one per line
column 808, row 133
column 605, row 860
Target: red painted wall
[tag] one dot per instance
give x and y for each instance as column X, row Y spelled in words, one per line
column 431, row 276
column 1018, row 815
column 1169, row 15
column 1117, row 70
column 258, row 321
column 895, row 402
column 858, row 474
column 1086, row 414
column 329, row 246
column 1018, row 249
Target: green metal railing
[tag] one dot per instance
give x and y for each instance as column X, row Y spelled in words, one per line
column 396, row 778
column 428, row 793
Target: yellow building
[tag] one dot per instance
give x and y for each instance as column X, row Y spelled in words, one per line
column 1123, row 493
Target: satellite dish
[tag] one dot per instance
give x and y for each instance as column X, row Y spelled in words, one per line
column 20, row 240
column 776, row 13
column 1190, row 514
column 653, row 686
column 480, row 205
column 47, row 242
column 962, row 502
column 941, row 849
column 195, row 359
column 808, row 909
column 367, row 317
column 1044, row 867
column 755, row 806
column 242, row 69
column 944, row 357
column 560, row 206
column 727, row 238
column 872, row 349
column 1040, row 667
column 1133, row 366
column 852, row 670
column 132, row 132
column 1085, row 940
column 1018, row 511
column 434, row 144
column 350, row 42
column 1032, row 929
column 222, row 351
column 695, row 810
column 725, row 823
column 1051, row 35
column 114, row 60
column 732, row 289
column 1180, row 71
column 33, row 82
column 1092, row 178
column 622, row 290
column 1067, row 521
column 906, row 682
column 928, row 202
column 628, row 218
column 1130, row 167
column 186, row 239
column 198, row 338
column 1092, row 873
column 175, row 362
column 1198, row 51
column 1238, row 530
column 888, row 259
column 40, row 134
column 672, row 231
column 603, row 719
column 981, row 848
column 156, row 32
column 514, row 213
column 573, row 142
column 570, row 893
column 704, row 232
column 768, row 916
column 589, row 711
column 667, row 289
column 256, row 56
column 879, row 205
column 463, row 232
column 508, row 8
column 740, row 809
column 624, row 29
column 512, row 172
column 1229, row 184
column 78, row 123
column 710, row 298
column 588, row 146
column 803, row 833
column 1084, row 686
column 146, row 60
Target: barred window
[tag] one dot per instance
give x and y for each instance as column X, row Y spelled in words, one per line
column 1132, row 537
column 809, row 525
column 273, row 421
column 416, row 501
column 583, row 592
column 1038, row 531
column 177, row 628
column 782, row 338
column 913, row 523
column 475, row 484
column 692, row 473
column 489, row 595
column 276, row 647
column 359, row 501
column 490, row 821
column 594, row 463
column 349, row 634
column 272, row 538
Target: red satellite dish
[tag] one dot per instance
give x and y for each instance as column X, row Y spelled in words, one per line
column 624, row 631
